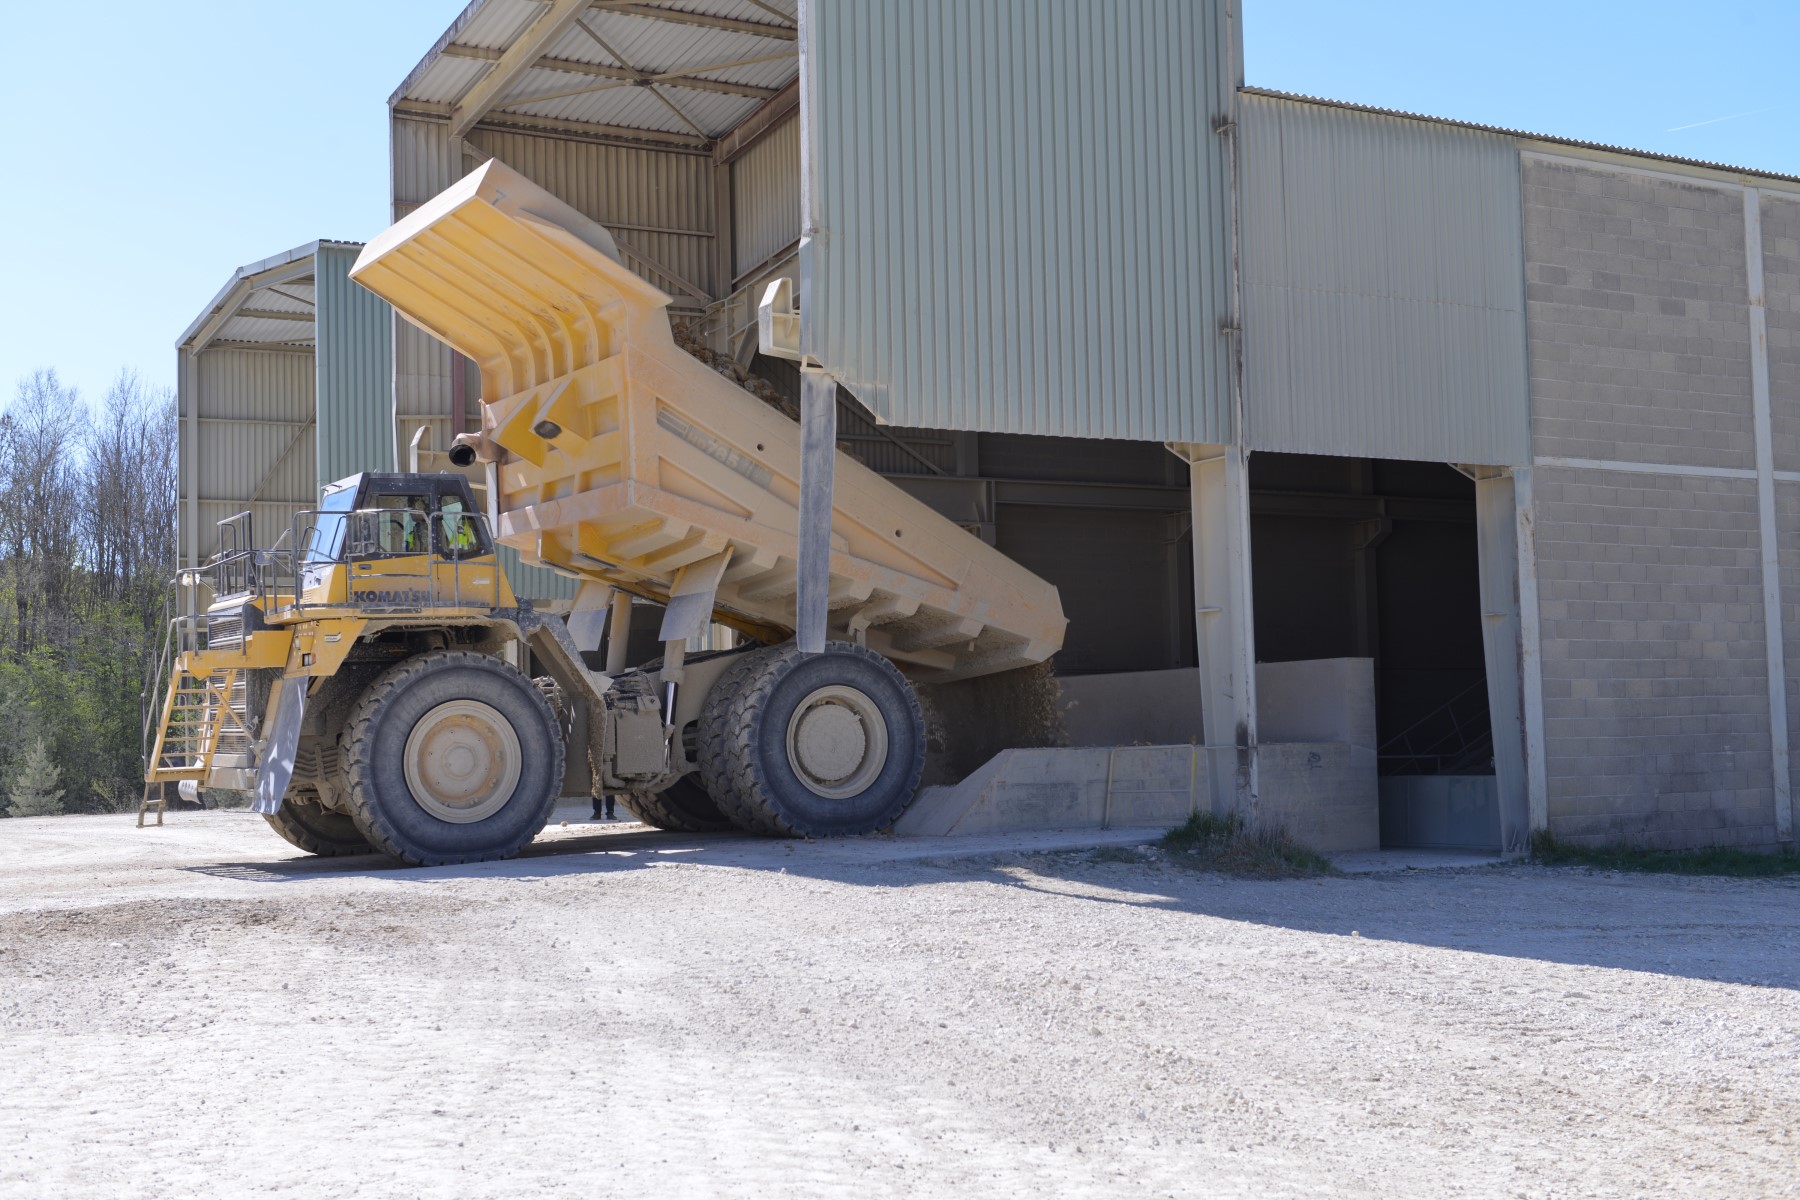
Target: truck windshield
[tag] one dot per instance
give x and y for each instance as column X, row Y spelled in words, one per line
column 325, row 544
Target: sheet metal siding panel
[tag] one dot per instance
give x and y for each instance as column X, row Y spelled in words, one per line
column 355, row 372
column 1024, row 214
column 765, row 197
column 255, row 444
column 1383, row 268
column 632, row 192
column 422, row 168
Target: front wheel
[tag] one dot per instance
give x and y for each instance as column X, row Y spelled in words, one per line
column 813, row 745
column 452, row 757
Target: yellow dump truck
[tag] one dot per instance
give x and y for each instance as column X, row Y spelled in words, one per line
column 367, row 679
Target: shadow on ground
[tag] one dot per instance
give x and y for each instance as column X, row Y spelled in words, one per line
column 1743, row 931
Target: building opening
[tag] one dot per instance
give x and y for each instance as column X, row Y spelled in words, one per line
column 1375, row 561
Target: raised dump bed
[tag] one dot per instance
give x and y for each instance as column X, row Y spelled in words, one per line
column 621, row 458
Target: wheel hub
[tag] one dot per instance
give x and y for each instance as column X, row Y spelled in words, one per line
column 837, row 742
column 462, row 761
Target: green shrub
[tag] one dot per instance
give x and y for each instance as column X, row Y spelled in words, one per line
column 1717, row 860
column 32, row 787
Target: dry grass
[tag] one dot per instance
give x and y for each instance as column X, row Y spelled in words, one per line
column 1222, row 843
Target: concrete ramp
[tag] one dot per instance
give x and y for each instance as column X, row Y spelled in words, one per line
column 1089, row 787
column 1324, row 793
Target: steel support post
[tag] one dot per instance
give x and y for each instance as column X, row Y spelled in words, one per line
column 1224, row 627
column 818, row 455
column 1497, row 544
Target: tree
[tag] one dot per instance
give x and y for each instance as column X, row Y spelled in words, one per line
column 87, row 551
column 32, row 786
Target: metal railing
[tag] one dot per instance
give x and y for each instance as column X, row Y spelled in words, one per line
column 181, row 633
column 1455, row 738
column 395, row 558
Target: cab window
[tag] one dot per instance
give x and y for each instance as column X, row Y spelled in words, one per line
column 393, row 524
column 325, row 540
column 458, row 531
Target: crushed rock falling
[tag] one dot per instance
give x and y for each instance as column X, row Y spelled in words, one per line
column 971, row 720
column 688, row 340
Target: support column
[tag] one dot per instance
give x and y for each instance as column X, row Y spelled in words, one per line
column 1531, row 661
column 818, row 390
column 1225, row 637
column 1760, row 404
column 1497, row 542
column 187, row 554
column 818, row 460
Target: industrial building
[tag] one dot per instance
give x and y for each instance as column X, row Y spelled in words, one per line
column 1406, row 481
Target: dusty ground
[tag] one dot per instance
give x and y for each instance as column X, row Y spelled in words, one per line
column 194, row 1012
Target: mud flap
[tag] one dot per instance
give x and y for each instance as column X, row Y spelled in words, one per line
column 276, row 766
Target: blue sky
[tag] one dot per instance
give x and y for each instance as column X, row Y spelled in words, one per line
column 161, row 145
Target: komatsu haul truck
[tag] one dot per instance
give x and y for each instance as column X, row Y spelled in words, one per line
column 367, row 678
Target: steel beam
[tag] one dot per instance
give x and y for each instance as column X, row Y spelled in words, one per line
column 683, row 78
column 513, row 63
column 785, row 33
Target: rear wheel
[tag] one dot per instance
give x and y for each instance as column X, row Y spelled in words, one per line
column 316, row 829
column 814, row 745
column 452, row 757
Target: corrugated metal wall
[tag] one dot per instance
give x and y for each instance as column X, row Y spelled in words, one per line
column 422, row 168
column 1383, row 287
column 1024, row 212
column 255, row 442
column 657, row 203
column 765, row 198
column 355, row 366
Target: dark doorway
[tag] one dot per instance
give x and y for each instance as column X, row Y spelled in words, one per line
column 1375, row 558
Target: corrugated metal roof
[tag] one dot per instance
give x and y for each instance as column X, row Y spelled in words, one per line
column 1038, row 241
column 448, row 77
column 1519, row 133
column 1383, row 286
column 496, row 24
column 638, row 41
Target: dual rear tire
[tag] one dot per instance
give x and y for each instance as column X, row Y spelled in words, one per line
column 812, row 745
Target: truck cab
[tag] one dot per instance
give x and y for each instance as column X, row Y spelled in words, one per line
column 381, row 541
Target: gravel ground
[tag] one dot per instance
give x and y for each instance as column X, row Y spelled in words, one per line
column 196, row 1012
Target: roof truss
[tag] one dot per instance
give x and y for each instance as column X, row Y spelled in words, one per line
column 492, row 93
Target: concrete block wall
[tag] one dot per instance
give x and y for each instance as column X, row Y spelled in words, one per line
column 1781, row 287
column 1636, row 316
column 1655, row 675
column 1656, row 714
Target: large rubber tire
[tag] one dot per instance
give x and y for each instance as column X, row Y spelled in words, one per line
column 683, row 807
column 316, row 829
column 754, row 742
column 375, row 759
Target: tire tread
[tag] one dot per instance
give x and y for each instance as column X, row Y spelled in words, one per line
column 358, row 746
